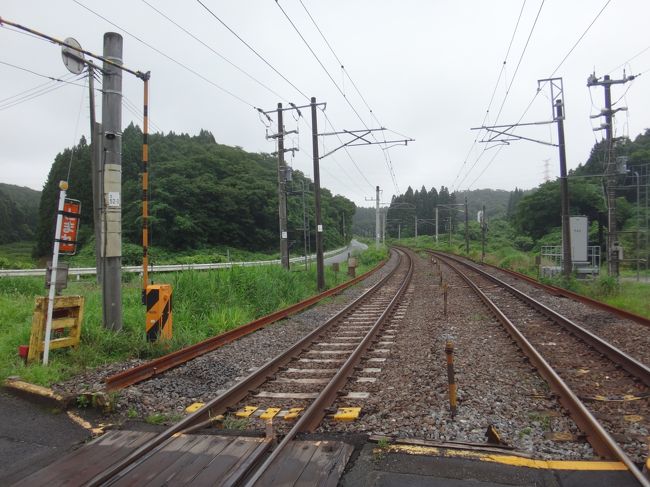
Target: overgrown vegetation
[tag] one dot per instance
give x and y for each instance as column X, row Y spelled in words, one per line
column 206, row 303
column 202, row 195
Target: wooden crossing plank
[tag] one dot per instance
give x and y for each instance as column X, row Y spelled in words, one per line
column 309, row 463
column 84, row 463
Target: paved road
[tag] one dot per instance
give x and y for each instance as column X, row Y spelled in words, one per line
column 354, row 247
column 32, row 436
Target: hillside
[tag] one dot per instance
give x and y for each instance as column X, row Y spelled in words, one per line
column 18, row 213
column 202, row 194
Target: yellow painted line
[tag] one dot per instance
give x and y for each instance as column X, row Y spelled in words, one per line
column 511, row 460
column 33, row 389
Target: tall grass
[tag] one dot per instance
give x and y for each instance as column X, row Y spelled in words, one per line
column 205, row 303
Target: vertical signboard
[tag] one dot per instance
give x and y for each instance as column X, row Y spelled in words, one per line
column 70, row 226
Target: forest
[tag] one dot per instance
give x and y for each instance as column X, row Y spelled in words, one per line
column 202, row 194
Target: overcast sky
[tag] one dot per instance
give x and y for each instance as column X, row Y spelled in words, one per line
column 427, row 69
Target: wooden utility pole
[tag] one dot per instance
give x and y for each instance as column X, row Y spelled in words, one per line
column 567, row 261
column 282, row 193
column 112, row 182
column 320, row 268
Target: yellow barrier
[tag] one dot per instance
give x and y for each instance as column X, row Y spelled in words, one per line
column 66, row 324
column 159, row 312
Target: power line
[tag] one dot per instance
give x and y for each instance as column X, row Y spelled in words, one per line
column 214, row 51
column 496, row 86
column 252, row 49
column 555, row 71
column 388, row 163
column 184, row 66
column 35, row 88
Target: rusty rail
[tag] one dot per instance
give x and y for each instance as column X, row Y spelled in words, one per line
column 237, row 392
column 179, row 357
column 558, row 291
column 599, row 438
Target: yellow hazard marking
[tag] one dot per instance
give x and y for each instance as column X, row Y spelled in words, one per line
column 508, row 459
column 347, row 414
column 293, row 413
column 195, row 406
column 624, row 398
column 246, row 412
column 632, row 418
column 270, row 413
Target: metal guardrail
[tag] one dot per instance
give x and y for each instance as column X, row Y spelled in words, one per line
column 86, row 271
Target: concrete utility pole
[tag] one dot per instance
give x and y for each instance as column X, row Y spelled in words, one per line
column 466, row 228
column 377, row 219
column 436, row 224
column 112, row 182
column 416, row 227
column 567, row 262
column 483, row 234
column 610, row 168
column 320, row 270
column 95, row 169
column 282, row 193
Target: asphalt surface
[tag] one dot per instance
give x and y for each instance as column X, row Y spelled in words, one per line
column 353, row 246
column 32, row 436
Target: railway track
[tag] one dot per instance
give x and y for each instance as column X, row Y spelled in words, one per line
column 605, row 389
column 304, row 380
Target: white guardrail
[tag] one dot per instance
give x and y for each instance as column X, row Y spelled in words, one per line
column 84, row 271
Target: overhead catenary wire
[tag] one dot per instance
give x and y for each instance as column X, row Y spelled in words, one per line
column 340, row 90
column 252, row 49
column 168, row 57
column 561, row 63
column 496, row 86
column 76, row 129
column 214, row 51
column 508, row 89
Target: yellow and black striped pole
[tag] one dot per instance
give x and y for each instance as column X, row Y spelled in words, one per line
column 145, row 189
column 449, row 350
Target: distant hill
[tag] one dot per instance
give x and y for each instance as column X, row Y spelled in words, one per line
column 18, row 213
column 495, row 201
column 202, row 194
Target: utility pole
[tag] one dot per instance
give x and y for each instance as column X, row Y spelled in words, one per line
column 567, row 264
column 377, row 219
column 399, row 231
column 112, row 182
column 96, row 180
column 320, row 271
column 436, row 224
column 483, row 234
column 466, row 228
column 383, row 226
column 282, row 193
column 416, row 227
column 610, row 168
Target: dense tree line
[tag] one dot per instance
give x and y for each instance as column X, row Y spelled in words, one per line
column 18, row 213
column 202, row 194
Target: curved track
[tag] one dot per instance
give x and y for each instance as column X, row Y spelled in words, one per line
column 575, row 363
column 359, row 323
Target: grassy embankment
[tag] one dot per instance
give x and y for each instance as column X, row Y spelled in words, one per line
column 206, row 303
column 626, row 294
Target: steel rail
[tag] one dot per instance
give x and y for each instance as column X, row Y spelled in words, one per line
column 558, row 291
column 179, row 357
column 630, row 364
column 598, row 437
column 236, row 393
column 315, row 413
